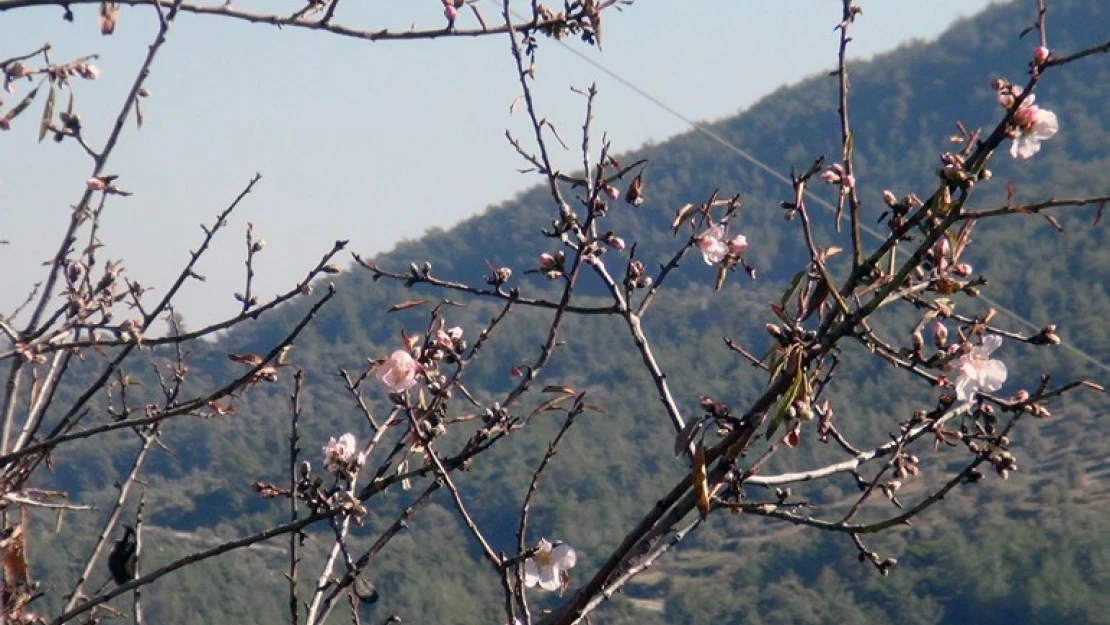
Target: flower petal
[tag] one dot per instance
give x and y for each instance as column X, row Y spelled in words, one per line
column 549, row 578
column 991, row 342
column 531, row 573
column 1046, row 125
column 994, row 375
column 564, row 557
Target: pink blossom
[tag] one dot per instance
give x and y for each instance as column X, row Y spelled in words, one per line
column 612, row 192
column 548, row 565
column 848, row 181
column 962, row 270
column 977, row 372
column 830, row 177
column 940, row 335
column 547, row 261
column 889, row 198
column 398, row 372
column 450, row 12
column 1034, row 125
column 95, row 184
column 1040, row 55
column 737, row 245
column 712, row 245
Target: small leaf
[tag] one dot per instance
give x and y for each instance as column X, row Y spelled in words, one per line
column 687, row 435
column 252, row 360
column 47, row 114
column 19, row 108
column 1093, row 386
column 784, row 404
column 407, row 304
column 722, row 273
column 816, row 298
column 549, row 405
column 700, row 481
column 794, row 282
column 684, row 212
column 1052, row 220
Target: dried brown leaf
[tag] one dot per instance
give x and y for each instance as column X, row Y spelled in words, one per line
column 700, row 480
column 407, row 304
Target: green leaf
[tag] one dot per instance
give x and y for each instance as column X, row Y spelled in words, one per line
column 784, row 404
column 794, row 282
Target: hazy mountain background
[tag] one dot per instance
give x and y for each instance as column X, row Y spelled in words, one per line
column 1032, row 549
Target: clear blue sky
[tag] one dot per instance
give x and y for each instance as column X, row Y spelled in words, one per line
column 374, row 142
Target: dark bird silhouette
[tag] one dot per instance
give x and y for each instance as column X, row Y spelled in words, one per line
column 121, row 562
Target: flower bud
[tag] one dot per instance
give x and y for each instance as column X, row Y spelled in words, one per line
column 940, row 335
column 450, row 12
column 95, row 184
column 1040, row 55
column 737, row 245
column 612, row 192
column 889, row 198
column 547, row 261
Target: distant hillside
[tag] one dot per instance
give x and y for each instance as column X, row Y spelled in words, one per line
column 978, row 558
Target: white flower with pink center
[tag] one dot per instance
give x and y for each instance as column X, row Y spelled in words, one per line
column 398, row 372
column 712, row 245
column 1034, row 125
column 977, row 372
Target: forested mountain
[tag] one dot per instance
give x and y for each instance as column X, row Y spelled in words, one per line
column 1032, row 549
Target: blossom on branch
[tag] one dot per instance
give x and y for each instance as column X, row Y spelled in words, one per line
column 398, row 372
column 977, row 372
column 1032, row 125
column 712, row 245
column 338, row 453
column 548, row 566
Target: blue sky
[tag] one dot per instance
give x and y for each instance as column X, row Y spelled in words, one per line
column 373, row 142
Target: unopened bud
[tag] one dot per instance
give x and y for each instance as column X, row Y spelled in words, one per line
column 940, row 335
column 95, row 184
column 889, row 198
column 1040, row 55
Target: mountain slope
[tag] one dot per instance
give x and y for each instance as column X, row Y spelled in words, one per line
column 904, row 105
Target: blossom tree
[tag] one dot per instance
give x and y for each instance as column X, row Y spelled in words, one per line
column 89, row 311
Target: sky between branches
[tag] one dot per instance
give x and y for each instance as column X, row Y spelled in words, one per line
column 373, row 142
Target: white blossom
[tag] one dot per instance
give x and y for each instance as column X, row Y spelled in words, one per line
column 1034, row 125
column 977, row 372
column 712, row 245
column 398, row 372
column 547, row 566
